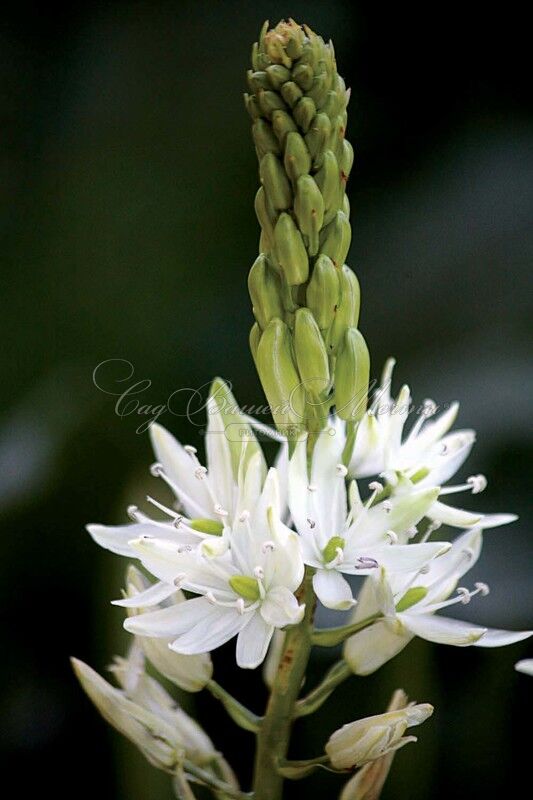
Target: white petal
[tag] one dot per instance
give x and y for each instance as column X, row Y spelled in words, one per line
column 405, row 510
column 180, row 469
column 332, row 589
column 116, row 538
column 525, row 666
column 372, row 647
column 217, row 627
column 253, row 641
column 298, row 493
column 442, row 630
column 435, row 430
column 280, row 607
column 367, row 457
column 151, row 596
column 172, row 621
column 403, row 558
column 281, row 465
column 495, row 520
column 448, row 455
column 456, row 517
column 329, row 498
column 220, row 469
column 498, row 638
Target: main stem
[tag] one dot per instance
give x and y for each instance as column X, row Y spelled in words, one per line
column 274, row 735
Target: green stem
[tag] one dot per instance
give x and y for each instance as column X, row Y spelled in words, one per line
column 331, row 637
column 240, row 714
column 274, row 735
column 204, row 776
column 338, row 673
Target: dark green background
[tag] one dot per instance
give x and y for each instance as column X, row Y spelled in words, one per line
column 127, row 181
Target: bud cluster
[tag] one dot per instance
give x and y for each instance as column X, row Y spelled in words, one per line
column 305, row 342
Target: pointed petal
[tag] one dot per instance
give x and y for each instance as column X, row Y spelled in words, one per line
column 332, row 589
column 253, row 641
column 525, row 666
column 172, row 621
column 403, row 558
column 151, row 596
column 456, row 517
column 372, row 647
column 280, row 607
column 367, row 457
column 220, row 470
column 116, row 538
column 180, row 469
column 298, row 493
column 217, row 627
column 329, row 495
column 498, row 638
column 442, row 630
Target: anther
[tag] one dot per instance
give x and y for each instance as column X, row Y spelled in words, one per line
column 211, row 598
column 364, row 562
column 392, row 536
column 178, row 580
column 133, row 513
column 244, row 516
column 444, row 449
column 375, row 486
column 221, row 511
column 482, row 588
column 429, row 408
column 464, row 594
column 477, row 482
column 156, row 469
column 189, row 448
column 311, row 487
column 341, row 470
column 177, row 522
column 311, row 523
column 387, row 505
column 259, row 573
column 268, row 547
column 412, row 531
column 199, row 472
column 185, row 548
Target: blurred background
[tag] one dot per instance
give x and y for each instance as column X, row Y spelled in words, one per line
column 127, row 185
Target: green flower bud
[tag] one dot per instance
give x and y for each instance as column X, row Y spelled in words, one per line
column 280, row 379
column 337, row 132
column 277, row 75
column 290, row 251
column 257, row 80
column 269, row 102
column 332, row 104
column 297, row 160
column 303, row 76
column 266, row 217
column 282, row 124
column 319, row 90
column 252, row 106
column 291, row 93
column 335, row 238
column 328, row 181
column 304, row 113
column 346, row 159
column 311, row 355
column 264, row 139
column 352, row 372
column 275, row 181
column 265, row 292
column 309, row 210
column 347, row 311
column 323, row 292
column 317, row 137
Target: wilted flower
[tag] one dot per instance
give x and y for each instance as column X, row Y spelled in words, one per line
column 367, row 739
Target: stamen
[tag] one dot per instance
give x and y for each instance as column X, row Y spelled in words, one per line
column 259, row 573
column 431, row 528
column 375, row 486
column 178, row 521
column 341, row 470
column 178, row 580
column 199, row 472
column 444, row 449
column 392, row 536
column 464, row 595
column 168, row 511
column 190, row 449
column 244, row 516
column 482, row 588
column 156, row 469
column 412, row 531
column 220, row 511
column 268, row 547
column 387, row 505
column 311, row 523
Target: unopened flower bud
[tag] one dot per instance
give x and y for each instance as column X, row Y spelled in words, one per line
column 351, row 376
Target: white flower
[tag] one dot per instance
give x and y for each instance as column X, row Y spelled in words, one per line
column 365, row 740
column 525, row 666
column 408, row 605
column 247, row 591
column 336, row 540
column 190, row 673
column 208, row 499
column 427, row 457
